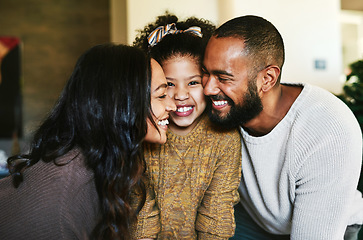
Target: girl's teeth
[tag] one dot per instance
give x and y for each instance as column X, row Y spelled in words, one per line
column 184, row 109
column 163, row 122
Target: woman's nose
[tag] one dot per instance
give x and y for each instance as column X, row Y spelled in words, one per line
column 170, row 105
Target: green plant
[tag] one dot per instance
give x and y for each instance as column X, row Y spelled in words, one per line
column 353, row 90
column 353, row 97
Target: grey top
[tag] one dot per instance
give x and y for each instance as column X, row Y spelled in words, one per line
column 53, row 202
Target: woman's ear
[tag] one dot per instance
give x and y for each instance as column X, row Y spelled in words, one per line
column 270, row 76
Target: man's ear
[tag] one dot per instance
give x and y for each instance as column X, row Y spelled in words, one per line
column 269, row 76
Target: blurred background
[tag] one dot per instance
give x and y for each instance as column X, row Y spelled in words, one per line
column 321, row 38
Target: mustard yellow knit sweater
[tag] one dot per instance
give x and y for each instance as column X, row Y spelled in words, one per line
column 195, row 180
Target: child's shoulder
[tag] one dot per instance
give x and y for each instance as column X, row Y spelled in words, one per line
column 213, row 130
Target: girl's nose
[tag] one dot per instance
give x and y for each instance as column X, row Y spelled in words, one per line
column 181, row 94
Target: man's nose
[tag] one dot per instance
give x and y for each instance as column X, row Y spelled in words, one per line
column 210, row 85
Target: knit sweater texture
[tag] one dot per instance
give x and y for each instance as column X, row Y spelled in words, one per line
column 195, row 179
column 53, row 202
column 61, row 202
column 301, row 178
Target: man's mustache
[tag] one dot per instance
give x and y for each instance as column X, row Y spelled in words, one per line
column 221, row 97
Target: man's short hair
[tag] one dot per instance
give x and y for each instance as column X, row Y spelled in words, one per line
column 263, row 42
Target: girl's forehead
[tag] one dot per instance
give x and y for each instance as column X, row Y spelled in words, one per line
column 184, row 57
column 182, row 60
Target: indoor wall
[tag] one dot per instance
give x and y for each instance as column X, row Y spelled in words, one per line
column 53, row 34
column 310, row 29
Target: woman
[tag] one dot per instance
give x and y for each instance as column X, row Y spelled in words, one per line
column 86, row 158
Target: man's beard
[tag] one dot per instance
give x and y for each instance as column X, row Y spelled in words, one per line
column 238, row 114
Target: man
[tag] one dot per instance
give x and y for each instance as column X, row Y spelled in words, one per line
column 301, row 146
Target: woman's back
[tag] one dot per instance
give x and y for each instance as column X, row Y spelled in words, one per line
column 53, row 202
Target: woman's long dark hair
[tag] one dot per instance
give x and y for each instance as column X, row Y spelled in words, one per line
column 102, row 111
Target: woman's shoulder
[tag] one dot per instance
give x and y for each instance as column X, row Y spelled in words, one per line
column 73, row 166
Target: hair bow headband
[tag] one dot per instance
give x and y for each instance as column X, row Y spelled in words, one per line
column 158, row 34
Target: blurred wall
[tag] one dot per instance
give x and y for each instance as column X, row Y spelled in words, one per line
column 352, row 36
column 310, row 29
column 311, row 32
column 141, row 12
column 53, row 34
column 118, row 21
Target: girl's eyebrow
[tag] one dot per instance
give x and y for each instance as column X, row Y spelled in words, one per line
column 188, row 78
column 194, row 76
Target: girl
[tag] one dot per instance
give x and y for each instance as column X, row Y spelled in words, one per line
column 195, row 175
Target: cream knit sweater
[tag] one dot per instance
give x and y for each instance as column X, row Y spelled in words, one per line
column 301, row 178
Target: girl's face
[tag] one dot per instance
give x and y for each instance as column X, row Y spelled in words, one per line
column 161, row 105
column 184, row 78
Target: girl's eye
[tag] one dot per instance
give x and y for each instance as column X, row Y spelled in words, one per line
column 193, row 83
column 162, row 96
column 170, row 84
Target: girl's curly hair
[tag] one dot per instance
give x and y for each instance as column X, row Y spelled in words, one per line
column 180, row 44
